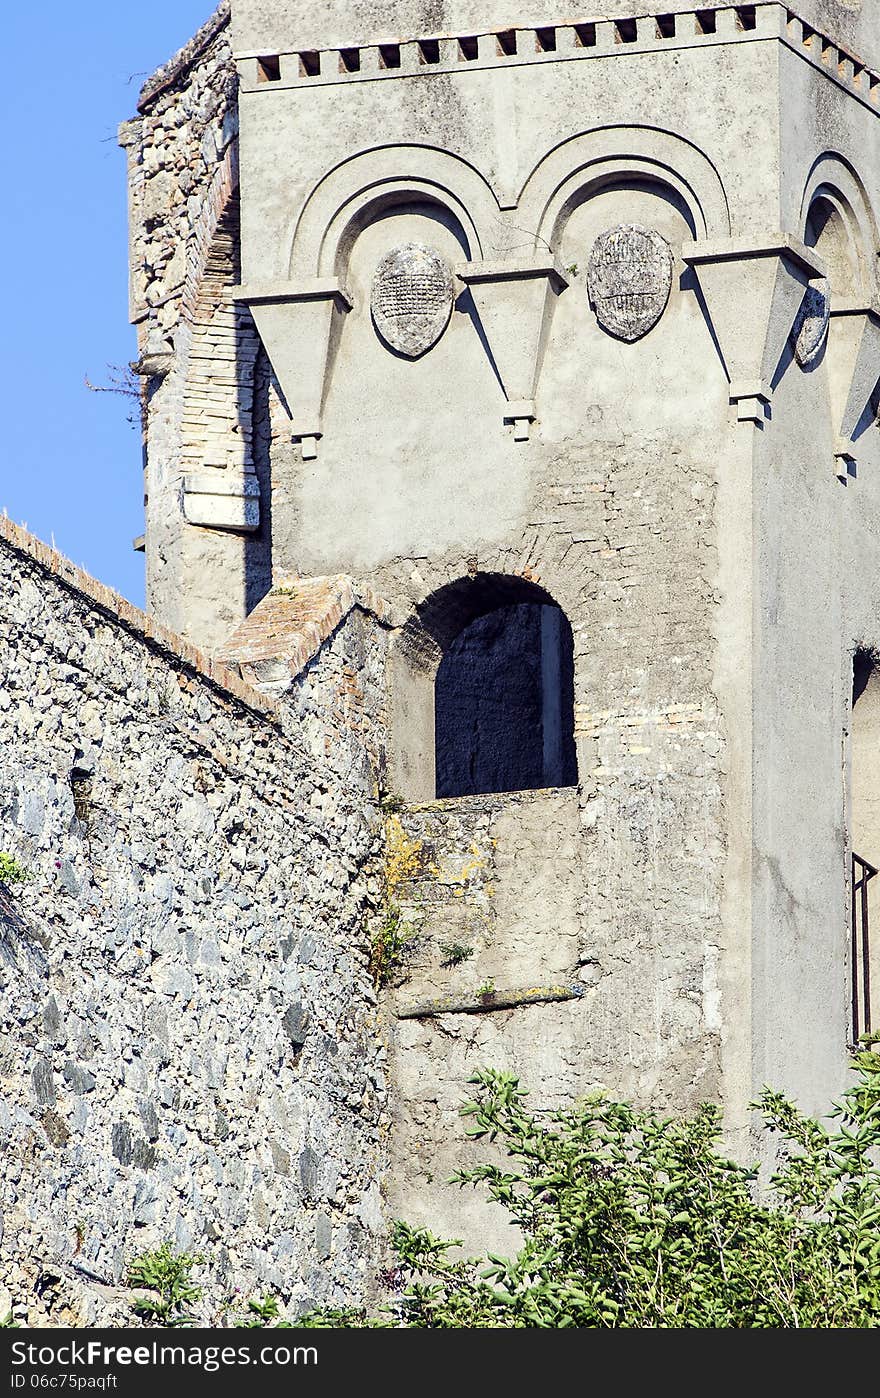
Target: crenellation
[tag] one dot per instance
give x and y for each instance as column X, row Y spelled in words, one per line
column 597, row 38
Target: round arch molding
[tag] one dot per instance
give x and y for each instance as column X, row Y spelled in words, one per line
column 346, row 197
column 570, row 172
column 832, row 178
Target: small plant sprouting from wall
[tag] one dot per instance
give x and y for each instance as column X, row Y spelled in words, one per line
column 166, row 1273
column 390, row 804
column 487, row 990
column 454, row 953
column 263, row 1314
column 12, row 872
column 387, row 947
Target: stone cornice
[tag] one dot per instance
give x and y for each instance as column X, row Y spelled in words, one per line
column 569, row 40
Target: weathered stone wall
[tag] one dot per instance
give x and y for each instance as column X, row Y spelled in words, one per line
column 206, row 547
column 190, row 1049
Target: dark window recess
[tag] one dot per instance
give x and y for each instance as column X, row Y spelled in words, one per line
column 545, row 40
column 310, row 64
column 585, row 35
column 506, row 41
column 389, row 55
column 746, row 17
column 469, row 48
column 666, row 26
column 350, row 60
column 269, row 69
column 705, row 21
column 429, row 50
column 504, row 704
column 626, row 31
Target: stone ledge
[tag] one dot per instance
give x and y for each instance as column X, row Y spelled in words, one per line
column 499, row 1000
column 132, row 618
column 482, row 801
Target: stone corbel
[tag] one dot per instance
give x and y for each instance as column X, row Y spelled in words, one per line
column 853, row 359
column 752, row 289
column 297, row 323
column 222, row 500
column 515, row 301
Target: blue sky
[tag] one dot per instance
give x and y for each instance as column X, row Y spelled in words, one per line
column 70, row 463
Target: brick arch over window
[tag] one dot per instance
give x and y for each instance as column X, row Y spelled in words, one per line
column 483, row 691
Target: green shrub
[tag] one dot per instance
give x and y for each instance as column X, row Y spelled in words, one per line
column 633, row 1220
column 166, row 1273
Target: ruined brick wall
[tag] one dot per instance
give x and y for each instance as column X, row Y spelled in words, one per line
column 189, row 1047
column 206, row 549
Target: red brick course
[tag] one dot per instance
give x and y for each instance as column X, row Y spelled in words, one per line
column 294, row 620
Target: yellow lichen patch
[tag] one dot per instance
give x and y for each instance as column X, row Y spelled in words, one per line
column 473, row 866
column 403, row 856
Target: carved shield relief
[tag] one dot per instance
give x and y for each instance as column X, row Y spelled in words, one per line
column 811, row 326
column 629, row 278
column 412, row 296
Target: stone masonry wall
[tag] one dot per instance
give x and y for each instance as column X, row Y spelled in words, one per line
column 187, row 121
column 189, row 1047
column 206, row 550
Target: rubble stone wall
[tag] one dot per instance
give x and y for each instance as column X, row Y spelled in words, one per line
column 189, row 1049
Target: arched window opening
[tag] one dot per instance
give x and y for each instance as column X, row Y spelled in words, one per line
column 865, row 834
column 504, row 703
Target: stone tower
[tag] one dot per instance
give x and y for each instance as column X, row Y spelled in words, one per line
column 561, row 339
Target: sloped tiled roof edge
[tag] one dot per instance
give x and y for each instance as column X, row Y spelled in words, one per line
column 294, row 620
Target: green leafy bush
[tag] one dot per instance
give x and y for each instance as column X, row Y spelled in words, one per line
column 11, row 871
column 635, row 1221
column 166, row 1273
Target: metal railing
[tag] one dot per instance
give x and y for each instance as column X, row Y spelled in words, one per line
column 860, row 955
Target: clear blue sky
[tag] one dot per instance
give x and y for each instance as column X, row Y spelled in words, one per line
column 70, row 463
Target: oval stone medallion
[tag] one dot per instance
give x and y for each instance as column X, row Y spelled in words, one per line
column 629, row 279
column 412, row 296
column 811, row 325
